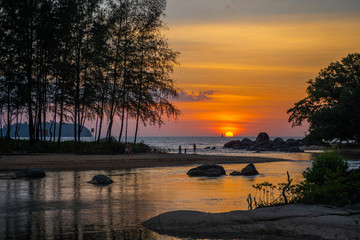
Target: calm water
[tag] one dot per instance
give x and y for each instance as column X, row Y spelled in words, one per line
column 63, row 206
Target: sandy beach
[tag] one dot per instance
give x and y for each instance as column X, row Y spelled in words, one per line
column 64, row 162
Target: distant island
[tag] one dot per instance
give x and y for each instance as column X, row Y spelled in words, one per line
column 66, row 131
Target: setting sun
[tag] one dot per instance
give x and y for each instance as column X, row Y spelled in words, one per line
column 229, row 134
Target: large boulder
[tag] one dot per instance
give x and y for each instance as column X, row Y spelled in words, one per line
column 279, row 141
column 207, row 170
column 291, row 142
column 249, row 170
column 232, row 144
column 262, row 138
column 294, row 149
column 246, row 141
column 100, row 180
column 280, row 222
column 30, row 173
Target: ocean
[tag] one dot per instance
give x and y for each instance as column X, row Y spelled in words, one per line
column 214, row 146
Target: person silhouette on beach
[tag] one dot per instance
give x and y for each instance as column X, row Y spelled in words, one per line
column 179, row 149
column 194, row 148
column 128, row 150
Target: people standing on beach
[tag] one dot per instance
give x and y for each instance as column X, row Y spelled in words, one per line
column 179, row 149
column 128, row 149
column 185, row 150
column 194, row 148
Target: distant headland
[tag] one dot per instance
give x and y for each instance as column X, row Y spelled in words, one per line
column 21, row 130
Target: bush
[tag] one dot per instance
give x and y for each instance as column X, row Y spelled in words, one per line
column 326, row 182
column 329, row 164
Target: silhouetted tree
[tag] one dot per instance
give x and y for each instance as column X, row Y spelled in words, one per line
column 84, row 60
column 332, row 105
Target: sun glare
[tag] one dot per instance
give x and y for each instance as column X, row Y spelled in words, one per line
column 229, row 134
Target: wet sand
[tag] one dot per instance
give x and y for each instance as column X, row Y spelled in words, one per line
column 64, row 162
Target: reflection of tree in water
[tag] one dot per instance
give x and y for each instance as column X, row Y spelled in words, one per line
column 64, row 205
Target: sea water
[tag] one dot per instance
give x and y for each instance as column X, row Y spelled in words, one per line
column 64, row 206
column 214, row 146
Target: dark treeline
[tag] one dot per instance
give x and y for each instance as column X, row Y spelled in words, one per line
column 78, row 60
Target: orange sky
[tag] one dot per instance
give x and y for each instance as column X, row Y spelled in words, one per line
column 244, row 63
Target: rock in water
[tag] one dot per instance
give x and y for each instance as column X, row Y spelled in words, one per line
column 263, row 137
column 279, row 141
column 209, row 170
column 249, row 170
column 30, row 173
column 101, row 179
column 235, row 173
column 232, row 144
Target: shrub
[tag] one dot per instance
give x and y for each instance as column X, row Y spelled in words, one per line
column 326, row 181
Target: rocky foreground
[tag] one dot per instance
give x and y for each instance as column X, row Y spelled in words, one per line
column 280, row 222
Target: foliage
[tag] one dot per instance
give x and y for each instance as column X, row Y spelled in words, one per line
column 75, row 61
column 327, row 181
column 268, row 194
column 332, row 103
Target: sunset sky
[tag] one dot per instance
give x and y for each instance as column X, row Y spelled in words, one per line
column 243, row 63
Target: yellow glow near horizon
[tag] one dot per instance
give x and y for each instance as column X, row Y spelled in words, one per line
column 256, row 70
column 229, row 134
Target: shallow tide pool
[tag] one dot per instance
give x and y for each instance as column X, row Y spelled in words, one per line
column 63, row 205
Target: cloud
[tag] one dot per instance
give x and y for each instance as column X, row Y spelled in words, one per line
column 253, row 10
column 195, row 97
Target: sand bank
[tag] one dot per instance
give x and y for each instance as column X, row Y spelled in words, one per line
column 64, row 162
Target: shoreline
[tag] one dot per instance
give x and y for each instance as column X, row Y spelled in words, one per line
column 66, row 162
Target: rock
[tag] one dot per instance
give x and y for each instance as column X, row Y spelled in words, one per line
column 232, row 143
column 208, row 170
column 279, row 141
column 281, row 222
column 263, row 146
column 291, row 142
column 30, row 173
column 207, row 148
column 249, row 170
column 235, row 173
column 246, row 141
column 262, row 137
column 101, row 180
column 237, row 144
column 213, row 172
column 263, row 143
column 294, row 149
column 213, row 148
column 300, row 142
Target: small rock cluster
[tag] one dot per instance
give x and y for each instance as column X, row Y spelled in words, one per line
column 263, row 143
column 249, row 170
column 214, row 170
column 207, row 170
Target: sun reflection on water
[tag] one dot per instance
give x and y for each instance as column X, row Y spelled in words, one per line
column 64, row 205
